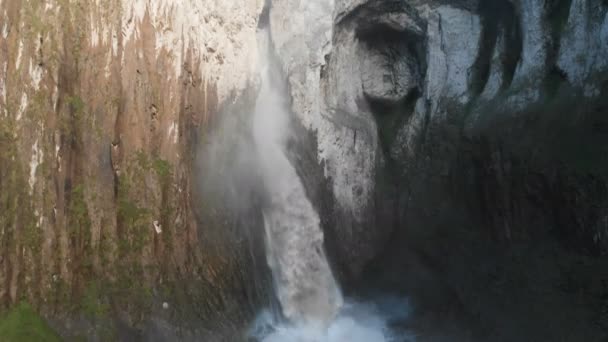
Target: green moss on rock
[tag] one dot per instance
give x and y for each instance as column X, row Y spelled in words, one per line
column 22, row 324
column 93, row 302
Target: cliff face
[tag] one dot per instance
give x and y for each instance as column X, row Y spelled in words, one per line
column 461, row 138
column 439, row 127
column 102, row 107
column 385, row 75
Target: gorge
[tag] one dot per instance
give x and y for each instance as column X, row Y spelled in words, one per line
column 305, row 170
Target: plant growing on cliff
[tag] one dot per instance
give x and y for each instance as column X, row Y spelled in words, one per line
column 22, row 324
column 79, row 229
column 133, row 220
column 18, row 226
column 162, row 168
column 93, row 301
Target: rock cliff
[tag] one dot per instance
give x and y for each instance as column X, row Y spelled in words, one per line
column 103, row 105
column 444, row 144
column 461, row 138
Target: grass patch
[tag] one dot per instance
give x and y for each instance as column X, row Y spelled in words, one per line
column 22, row 324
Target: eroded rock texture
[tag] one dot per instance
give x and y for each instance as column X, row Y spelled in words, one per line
column 103, row 105
column 462, row 138
column 454, row 150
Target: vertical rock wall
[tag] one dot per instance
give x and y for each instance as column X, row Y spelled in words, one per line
column 393, row 69
column 102, row 105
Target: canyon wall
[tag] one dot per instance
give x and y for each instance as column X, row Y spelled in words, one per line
column 429, row 130
column 103, row 105
column 379, row 74
column 463, row 143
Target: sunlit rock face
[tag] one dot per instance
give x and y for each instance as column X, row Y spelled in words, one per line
column 443, row 126
column 379, row 74
column 102, row 106
column 413, row 109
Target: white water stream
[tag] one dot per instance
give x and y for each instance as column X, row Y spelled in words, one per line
column 311, row 301
column 304, row 282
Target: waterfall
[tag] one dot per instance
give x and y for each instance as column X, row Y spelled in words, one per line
column 304, row 283
column 313, row 309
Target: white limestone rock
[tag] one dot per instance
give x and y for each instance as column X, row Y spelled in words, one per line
column 396, row 78
column 36, row 159
column 346, row 134
column 496, row 76
column 583, row 50
column 405, row 140
column 157, row 227
column 226, row 28
column 453, row 45
column 535, row 42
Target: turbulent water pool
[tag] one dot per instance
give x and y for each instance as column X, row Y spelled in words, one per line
column 377, row 321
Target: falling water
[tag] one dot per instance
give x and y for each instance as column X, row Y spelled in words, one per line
column 305, row 286
column 313, row 309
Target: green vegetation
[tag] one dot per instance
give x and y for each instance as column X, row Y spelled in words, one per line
column 80, row 222
column 158, row 165
column 79, row 120
column 93, row 302
column 138, row 219
column 76, row 104
column 22, row 324
column 77, row 108
column 17, row 218
column 135, row 220
column 135, row 229
column 162, row 168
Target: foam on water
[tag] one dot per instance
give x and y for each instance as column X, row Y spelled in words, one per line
column 356, row 322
